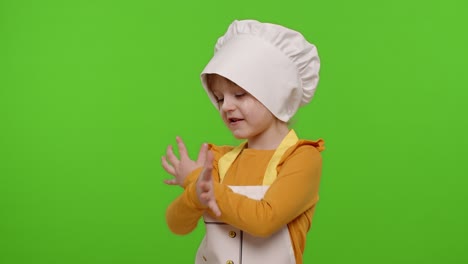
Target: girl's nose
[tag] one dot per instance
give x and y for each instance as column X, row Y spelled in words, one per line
column 228, row 104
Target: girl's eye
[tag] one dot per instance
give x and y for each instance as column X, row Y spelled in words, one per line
column 240, row 95
column 220, row 100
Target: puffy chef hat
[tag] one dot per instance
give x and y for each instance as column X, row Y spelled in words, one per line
column 274, row 64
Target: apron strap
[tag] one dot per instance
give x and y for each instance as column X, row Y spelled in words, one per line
column 227, row 159
column 270, row 173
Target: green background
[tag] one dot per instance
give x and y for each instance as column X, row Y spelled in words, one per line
column 92, row 92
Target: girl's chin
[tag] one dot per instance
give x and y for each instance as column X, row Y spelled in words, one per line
column 239, row 135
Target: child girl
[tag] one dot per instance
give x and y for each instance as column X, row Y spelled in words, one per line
column 257, row 199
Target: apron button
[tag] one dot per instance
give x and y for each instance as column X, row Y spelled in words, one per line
column 229, row 262
column 232, row 234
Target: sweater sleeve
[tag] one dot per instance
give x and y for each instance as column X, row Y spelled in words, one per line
column 183, row 213
column 293, row 192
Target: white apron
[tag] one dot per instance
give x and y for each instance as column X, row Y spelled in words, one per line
column 225, row 244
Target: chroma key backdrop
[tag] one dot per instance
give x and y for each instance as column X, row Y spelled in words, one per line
column 93, row 92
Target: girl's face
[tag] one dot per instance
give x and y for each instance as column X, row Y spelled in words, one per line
column 243, row 114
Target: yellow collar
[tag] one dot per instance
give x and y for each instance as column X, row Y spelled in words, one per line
column 270, row 173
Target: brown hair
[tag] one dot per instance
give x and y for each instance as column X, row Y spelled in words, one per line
column 210, row 76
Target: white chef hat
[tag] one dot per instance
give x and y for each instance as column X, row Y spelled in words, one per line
column 274, row 64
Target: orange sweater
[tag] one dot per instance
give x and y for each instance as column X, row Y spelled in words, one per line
column 290, row 200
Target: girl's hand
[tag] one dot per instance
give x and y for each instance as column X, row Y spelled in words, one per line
column 180, row 168
column 205, row 188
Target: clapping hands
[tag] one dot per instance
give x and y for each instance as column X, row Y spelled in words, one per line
column 205, row 188
column 180, row 168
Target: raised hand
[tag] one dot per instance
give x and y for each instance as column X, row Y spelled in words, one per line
column 205, row 188
column 180, row 168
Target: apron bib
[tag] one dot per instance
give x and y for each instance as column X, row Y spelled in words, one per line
column 224, row 243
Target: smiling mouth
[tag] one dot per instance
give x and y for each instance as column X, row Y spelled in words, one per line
column 235, row 120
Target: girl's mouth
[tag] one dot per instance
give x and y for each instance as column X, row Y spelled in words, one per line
column 234, row 121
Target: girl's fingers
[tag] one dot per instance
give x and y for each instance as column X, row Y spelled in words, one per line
column 208, row 167
column 205, row 183
column 202, row 154
column 205, row 197
column 182, row 149
column 205, row 187
column 214, row 207
column 172, row 158
column 209, row 159
column 167, row 167
column 210, row 201
column 170, row 182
